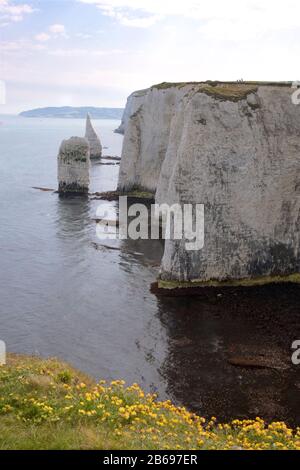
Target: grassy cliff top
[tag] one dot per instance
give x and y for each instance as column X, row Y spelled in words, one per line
column 231, row 91
column 46, row 404
column 214, row 83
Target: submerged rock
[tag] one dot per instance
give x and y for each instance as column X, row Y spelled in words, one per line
column 259, row 362
column 73, row 166
column 46, row 190
column 233, row 147
column 258, row 356
column 93, row 139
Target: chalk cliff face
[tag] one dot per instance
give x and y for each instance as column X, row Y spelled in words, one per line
column 93, row 139
column 236, row 149
column 133, row 103
column 73, row 165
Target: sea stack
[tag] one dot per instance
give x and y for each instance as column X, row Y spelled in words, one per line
column 93, row 139
column 73, row 166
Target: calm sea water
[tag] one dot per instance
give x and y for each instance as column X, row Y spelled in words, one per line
column 62, row 295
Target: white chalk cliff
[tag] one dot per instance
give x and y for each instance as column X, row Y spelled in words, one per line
column 73, row 165
column 132, row 105
column 234, row 148
column 93, row 139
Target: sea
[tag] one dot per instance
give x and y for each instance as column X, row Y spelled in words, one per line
column 67, row 294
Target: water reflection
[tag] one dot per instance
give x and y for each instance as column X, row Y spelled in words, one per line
column 103, row 304
column 73, row 217
column 147, row 253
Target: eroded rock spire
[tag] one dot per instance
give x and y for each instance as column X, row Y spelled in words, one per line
column 93, row 139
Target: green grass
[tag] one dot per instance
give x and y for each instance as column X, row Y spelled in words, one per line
column 46, row 404
column 245, row 282
column 224, row 91
column 167, row 85
column 232, row 92
column 133, row 193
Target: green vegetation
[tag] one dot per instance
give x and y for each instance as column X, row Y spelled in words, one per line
column 139, row 194
column 167, row 85
column 256, row 281
column 46, row 404
column 133, row 193
column 224, row 91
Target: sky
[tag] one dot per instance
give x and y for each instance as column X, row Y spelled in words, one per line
column 96, row 52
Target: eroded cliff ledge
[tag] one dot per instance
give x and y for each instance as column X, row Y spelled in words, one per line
column 234, row 147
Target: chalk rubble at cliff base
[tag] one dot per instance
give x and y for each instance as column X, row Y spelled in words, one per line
column 234, row 148
column 73, row 166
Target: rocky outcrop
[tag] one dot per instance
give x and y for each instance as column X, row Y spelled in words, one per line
column 73, row 166
column 132, row 105
column 235, row 148
column 93, row 139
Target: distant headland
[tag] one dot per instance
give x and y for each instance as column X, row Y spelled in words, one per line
column 68, row 112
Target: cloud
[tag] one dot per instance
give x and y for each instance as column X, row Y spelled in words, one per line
column 247, row 17
column 54, row 31
column 84, row 35
column 57, row 29
column 136, row 22
column 82, row 52
column 20, row 45
column 11, row 12
column 127, row 13
column 42, row 37
column 24, row 46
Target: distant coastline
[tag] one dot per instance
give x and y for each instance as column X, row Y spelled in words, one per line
column 68, row 112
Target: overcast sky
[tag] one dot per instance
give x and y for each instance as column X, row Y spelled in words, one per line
column 96, row 52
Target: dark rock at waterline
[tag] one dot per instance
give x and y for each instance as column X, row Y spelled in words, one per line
column 107, row 163
column 43, row 189
column 181, row 291
column 131, row 195
column 106, row 196
column 258, row 357
column 73, row 189
column 108, row 222
column 99, row 246
column 108, row 157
